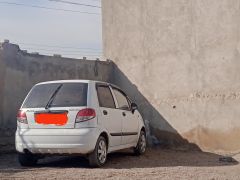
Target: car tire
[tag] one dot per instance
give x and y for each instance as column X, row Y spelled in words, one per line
column 27, row 159
column 99, row 156
column 141, row 145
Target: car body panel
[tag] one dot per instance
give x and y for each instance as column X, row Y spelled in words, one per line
column 81, row 137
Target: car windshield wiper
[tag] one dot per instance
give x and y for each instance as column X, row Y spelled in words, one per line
column 53, row 96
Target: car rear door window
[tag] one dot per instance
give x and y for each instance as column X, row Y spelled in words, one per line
column 122, row 100
column 105, row 97
column 70, row 94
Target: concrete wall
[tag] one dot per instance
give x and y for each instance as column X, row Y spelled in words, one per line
column 180, row 60
column 19, row 71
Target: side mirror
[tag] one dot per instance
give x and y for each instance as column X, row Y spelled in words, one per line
column 134, row 107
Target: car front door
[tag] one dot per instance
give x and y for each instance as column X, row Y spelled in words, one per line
column 109, row 115
column 129, row 119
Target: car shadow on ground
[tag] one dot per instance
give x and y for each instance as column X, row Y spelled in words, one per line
column 166, row 158
column 154, row 157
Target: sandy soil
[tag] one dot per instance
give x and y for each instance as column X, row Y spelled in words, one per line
column 155, row 164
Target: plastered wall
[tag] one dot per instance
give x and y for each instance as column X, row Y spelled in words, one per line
column 180, row 60
column 19, row 71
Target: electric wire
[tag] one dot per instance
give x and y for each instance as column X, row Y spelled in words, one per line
column 75, row 3
column 48, row 8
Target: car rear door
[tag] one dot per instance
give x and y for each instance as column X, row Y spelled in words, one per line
column 55, row 105
column 108, row 115
column 129, row 119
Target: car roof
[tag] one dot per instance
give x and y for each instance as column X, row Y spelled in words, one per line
column 76, row 81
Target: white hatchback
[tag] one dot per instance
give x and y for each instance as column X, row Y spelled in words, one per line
column 83, row 117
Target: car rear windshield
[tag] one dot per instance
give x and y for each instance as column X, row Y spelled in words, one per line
column 58, row 95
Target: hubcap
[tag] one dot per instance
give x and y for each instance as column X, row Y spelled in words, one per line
column 143, row 143
column 102, row 151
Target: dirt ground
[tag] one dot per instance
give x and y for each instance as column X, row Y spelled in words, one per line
column 155, row 164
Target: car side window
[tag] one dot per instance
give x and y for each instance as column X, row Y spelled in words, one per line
column 122, row 100
column 105, row 97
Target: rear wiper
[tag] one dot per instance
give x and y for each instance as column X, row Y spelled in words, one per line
column 53, row 96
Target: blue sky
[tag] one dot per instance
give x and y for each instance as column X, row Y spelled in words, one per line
column 71, row 34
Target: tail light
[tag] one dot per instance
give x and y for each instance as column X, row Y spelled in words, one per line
column 22, row 117
column 85, row 115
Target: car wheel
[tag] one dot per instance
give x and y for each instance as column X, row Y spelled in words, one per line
column 27, row 159
column 99, row 156
column 142, row 144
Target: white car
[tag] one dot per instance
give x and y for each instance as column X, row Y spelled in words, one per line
column 83, row 117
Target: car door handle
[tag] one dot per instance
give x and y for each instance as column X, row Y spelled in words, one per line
column 105, row 112
column 124, row 114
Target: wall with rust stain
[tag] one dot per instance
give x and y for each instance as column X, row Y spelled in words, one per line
column 180, row 60
column 19, row 71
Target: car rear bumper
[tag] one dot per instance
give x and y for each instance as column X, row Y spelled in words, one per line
column 56, row 141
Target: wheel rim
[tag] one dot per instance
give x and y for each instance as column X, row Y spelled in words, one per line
column 143, row 143
column 102, row 151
